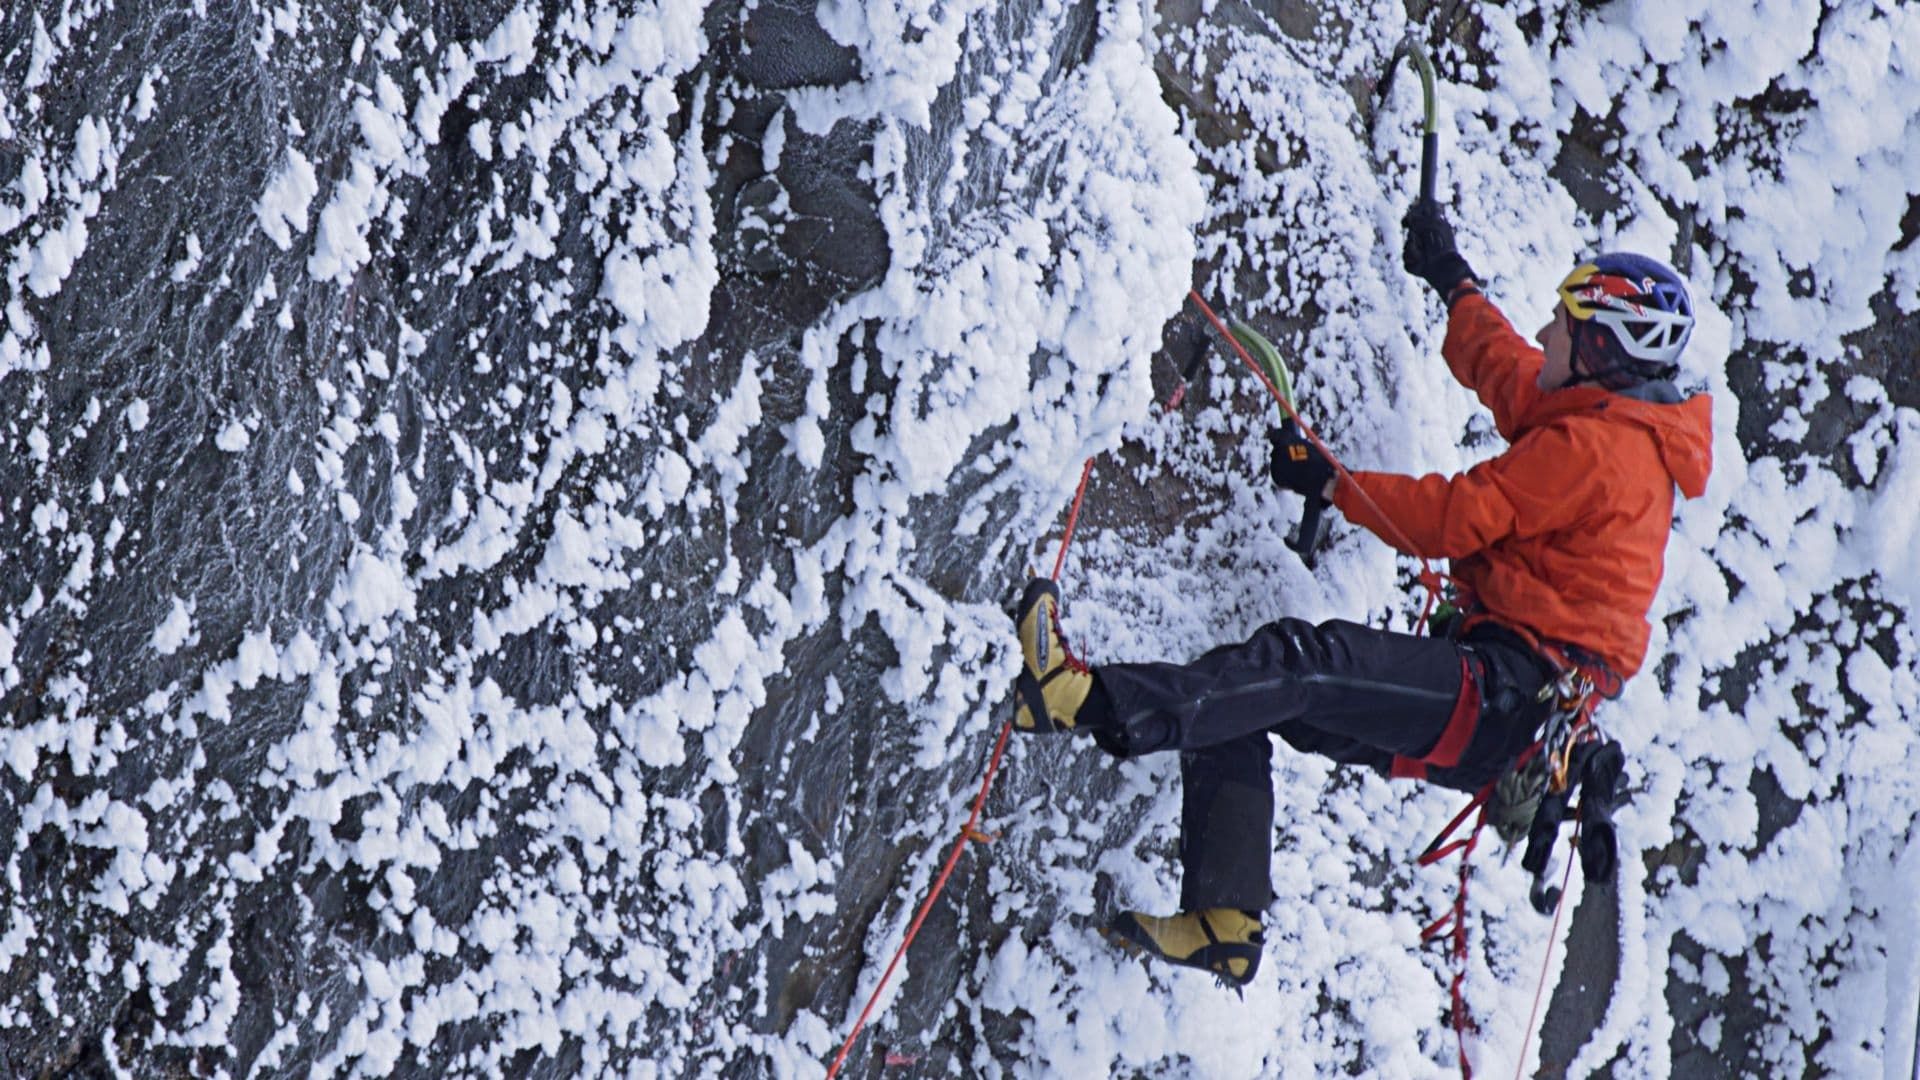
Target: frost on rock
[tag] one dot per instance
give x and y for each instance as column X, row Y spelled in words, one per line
column 510, row 510
column 283, row 206
column 175, row 630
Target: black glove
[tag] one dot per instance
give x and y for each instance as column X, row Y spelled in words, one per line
column 1297, row 464
column 1602, row 780
column 1429, row 253
column 1598, row 771
column 1544, row 831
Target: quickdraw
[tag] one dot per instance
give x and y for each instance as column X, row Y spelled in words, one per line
column 1569, row 725
column 1571, row 722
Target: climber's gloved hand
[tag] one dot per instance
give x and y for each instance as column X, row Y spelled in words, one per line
column 1429, row 253
column 1602, row 787
column 1298, row 465
column 1599, row 852
column 1544, row 831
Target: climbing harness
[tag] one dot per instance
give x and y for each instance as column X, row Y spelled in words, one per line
column 1575, row 693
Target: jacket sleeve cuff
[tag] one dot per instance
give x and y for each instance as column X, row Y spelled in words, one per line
column 1344, row 487
column 1467, row 287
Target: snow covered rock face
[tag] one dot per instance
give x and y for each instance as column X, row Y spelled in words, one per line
column 415, row 495
column 505, row 507
column 358, row 622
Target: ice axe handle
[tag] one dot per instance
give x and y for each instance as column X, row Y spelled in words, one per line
column 1429, row 150
column 1307, row 537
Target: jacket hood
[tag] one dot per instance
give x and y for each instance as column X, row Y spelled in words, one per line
column 1683, row 430
column 1682, row 427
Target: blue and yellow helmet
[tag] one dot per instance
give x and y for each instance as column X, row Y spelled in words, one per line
column 1643, row 307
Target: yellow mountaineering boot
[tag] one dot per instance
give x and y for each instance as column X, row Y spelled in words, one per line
column 1053, row 683
column 1225, row 941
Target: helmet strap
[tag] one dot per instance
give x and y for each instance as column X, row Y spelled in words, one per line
column 1577, row 339
column 1628, row 376
column 1614, row 376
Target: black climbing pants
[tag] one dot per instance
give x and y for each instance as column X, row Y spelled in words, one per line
column 1349, row 692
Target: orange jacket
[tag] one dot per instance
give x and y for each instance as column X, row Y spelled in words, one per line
column 1565, row 533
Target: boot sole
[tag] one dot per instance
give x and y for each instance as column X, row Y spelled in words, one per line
column 1214, row 959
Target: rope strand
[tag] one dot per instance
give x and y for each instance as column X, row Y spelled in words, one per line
column 1546, row 961
column 1073, row 517
column 970, row 832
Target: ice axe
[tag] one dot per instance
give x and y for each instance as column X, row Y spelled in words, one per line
column 1409, row 47
column 1311, row 533
column 1306, row 538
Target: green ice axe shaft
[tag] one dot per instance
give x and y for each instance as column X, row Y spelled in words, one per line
column 1307, row 537
column 1266, row 356
column 1430, row 133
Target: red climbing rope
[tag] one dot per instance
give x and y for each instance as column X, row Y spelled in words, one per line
column 1456, row 918
column 969, row 832
column 1546, row 961
column 1073, row 518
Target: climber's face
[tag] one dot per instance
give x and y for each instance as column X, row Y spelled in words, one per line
column 1557, row 342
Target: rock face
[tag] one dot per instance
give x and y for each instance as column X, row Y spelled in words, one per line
column 495, row 577
column 333, row 375
column 401, row 650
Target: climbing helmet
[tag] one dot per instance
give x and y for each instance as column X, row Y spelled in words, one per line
column 1631, row 317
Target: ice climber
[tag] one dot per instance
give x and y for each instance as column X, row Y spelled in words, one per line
column 1557, row 546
